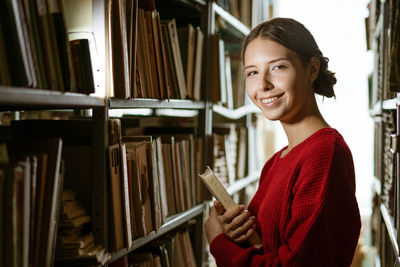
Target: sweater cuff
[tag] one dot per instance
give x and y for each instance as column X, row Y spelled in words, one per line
column 223, row 248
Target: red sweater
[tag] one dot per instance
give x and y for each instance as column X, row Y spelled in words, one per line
column 306, row 209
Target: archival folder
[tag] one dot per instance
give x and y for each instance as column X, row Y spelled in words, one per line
column 219, row 192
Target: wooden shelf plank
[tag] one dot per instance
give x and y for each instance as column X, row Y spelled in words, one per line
column 243, row 182
column 154, row 103
column 17, row 98
column 235, row 114
column 172, row 222
column 237, row 24
column 390, row 229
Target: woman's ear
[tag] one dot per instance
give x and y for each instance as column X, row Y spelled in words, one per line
column 313, row 69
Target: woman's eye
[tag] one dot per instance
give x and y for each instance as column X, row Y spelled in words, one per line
column 251, row 73
column 278, row 67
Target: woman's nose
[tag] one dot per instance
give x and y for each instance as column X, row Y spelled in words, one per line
column 266, row 84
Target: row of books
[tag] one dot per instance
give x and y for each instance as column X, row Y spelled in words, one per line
column 231, row 152
column 151, row 177
column 151, row 57
column 228, row 81
column 175, row 250
column 242, row 10
column 31, row 177
column 34, row 169
column 35, row 50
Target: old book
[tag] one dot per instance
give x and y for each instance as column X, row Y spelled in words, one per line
column 187, row 42
column 144, row 56
column 119, row 46
column 169, row 62
column 198, row 65
column 37, row 43
column 49, row 191
column 152, row 55
column 130, row 190
column 17, row 45
column 23, row 206
column 228, row 76
column 140, row 180
column 114, row 159
column 153, row 173
column 125, row 197
column 57, row 16
column 132, row 29
column 158, row 54
column 50, row 50
column 215, row 71
column 165, row 64
column 82, row 66
column 178, row 176
column 219, row 192
column 177, row 58
column 169, row 180
column 10, row 223
column 5, row 78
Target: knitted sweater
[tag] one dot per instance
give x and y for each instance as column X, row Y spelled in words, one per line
column 305, row 206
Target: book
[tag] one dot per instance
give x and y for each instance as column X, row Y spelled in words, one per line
column 198, row 64
column 219, row 192
column 114, row 159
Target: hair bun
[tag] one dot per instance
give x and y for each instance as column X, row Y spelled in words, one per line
column 326, row 79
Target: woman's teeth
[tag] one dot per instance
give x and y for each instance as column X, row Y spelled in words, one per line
column 269, row 100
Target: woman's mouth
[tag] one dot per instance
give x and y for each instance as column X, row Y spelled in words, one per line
column 270, row 100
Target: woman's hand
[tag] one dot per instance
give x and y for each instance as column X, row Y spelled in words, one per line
column 212, row 226
column 236, row 222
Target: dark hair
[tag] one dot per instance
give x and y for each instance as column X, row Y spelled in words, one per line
column 294, row 36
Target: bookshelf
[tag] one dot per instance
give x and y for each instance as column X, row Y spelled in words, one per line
column 92, row 111
column 384, row 110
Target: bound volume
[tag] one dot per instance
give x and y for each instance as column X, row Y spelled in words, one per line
column 219, row 192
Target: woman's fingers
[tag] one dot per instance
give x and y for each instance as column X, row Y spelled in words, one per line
column 218, row 207
column 231, row 213
column 245, row 236
column 240, row 229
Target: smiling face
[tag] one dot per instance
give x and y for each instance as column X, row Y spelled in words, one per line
column 277, row 82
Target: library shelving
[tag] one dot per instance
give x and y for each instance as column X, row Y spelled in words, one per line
column 87, row 129
column 382, row 39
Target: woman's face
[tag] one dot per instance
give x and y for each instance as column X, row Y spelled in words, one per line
column 277, row 82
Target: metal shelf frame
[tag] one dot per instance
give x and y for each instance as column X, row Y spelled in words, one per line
column 173, row 222
column 154, row 103
column 17, row 98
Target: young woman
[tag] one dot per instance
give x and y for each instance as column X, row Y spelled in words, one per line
column 305, row 208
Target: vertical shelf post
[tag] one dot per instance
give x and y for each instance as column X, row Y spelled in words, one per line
column 99, row 176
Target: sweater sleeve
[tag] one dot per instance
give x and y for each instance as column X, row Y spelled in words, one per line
column 322, row 225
